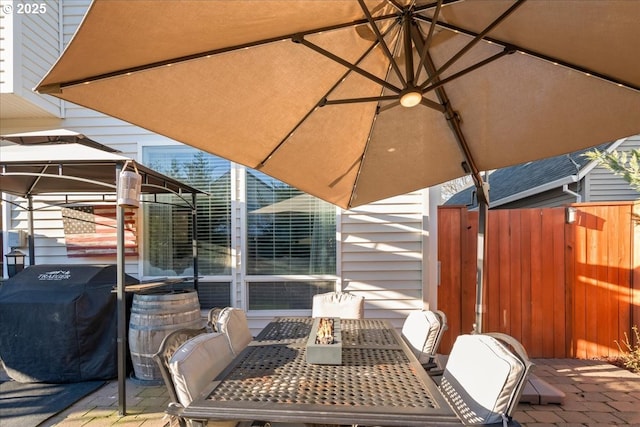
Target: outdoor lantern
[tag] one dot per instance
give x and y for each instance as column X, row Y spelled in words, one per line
column 15, row 262
column 129, row 188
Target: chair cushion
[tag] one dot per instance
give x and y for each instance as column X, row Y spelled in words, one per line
column 197, row 362
column 233, row 323
column 480, row 379
column 338, row 304
column 420, row 330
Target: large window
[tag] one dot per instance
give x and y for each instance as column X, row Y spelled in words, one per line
column 291, row 245
column 288, row 232
column 168, row 226
column 290, row 249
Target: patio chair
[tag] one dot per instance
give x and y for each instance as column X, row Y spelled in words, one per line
column 423, row 331
column 192, row 366
column 189, row 359
column 484, row 378
column 344, row 305
column 233, row 323
column 168, row 347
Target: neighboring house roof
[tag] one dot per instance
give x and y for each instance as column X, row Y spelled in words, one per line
column 525, row 177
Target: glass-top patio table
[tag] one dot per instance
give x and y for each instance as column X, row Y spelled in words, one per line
column 379, row 382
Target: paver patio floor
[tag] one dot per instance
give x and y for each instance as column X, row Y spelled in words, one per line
column 597, row 394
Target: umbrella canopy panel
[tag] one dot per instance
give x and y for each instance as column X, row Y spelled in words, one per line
column 309, row 91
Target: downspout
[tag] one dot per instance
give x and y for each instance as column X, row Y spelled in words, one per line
column 575, row 178
column 565, row 189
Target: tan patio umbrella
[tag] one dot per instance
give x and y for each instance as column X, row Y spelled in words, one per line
column 355, row 101
column 308, row 91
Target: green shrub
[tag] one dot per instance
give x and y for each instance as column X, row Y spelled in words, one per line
column 630, row 353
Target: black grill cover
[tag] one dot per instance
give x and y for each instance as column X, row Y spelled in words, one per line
column 58, row 323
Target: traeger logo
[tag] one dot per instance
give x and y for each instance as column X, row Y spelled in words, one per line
column 55, row 275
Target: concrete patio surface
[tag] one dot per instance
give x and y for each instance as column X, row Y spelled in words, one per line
column 597, row 394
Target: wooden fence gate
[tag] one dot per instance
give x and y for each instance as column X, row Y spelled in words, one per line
column 562, row 287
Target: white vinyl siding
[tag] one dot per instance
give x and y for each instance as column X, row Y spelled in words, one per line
column 37, row 47
column 8, row 70
column 73, row 12
column 381, row 256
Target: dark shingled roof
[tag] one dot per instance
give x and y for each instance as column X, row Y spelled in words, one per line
column 512, row 180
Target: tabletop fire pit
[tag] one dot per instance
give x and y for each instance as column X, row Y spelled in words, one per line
column 324, row 346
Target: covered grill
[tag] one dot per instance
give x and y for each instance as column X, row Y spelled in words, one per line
column 58, row 323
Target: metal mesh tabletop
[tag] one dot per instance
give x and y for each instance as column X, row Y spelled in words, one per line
column 359, row 333
column 379, row 381
column 367, row 377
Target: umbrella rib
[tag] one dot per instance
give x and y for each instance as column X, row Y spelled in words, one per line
column 56, row 88
column 479, row 37
column 323, row 101
column 433, row 105
column 300, row 39
column 408, row 52
column 535, row 54
column 469, row 165
column 508, row 50
column 395, row 4
column 389, row 106
column 385, row 48
column 426, row 102
column 427, row 42
column 359, row 100
column 435, row 4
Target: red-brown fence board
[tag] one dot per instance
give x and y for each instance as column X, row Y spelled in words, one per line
column 563, row 290
column 449, row 249
column 526, row 327
column 579, row 289
column 559, row 292
column 634, row 292
column 537, row 270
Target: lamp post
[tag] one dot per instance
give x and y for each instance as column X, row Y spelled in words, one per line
column 15, row 262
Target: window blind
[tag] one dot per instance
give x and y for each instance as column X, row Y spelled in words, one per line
column 169, row 231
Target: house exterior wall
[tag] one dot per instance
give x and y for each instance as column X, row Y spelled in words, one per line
column 382, row 254
column 597, row 184
column 380, row 246
column 601, row 185
column 29, row 45
column 8, row 52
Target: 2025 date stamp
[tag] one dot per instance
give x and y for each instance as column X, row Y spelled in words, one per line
column 23, row 8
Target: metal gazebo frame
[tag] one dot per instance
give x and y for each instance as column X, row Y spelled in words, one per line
column 62, row 162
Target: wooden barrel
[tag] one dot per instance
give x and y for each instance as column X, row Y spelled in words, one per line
column 153, row 317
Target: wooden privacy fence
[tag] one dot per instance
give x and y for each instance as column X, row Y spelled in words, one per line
column 562, row 288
